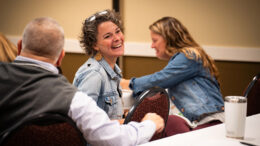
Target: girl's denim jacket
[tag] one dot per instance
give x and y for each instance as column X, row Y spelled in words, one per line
column 99, row 81
column 190, row 86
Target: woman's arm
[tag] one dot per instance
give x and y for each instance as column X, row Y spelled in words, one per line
column 178, row 69
column 124, row 83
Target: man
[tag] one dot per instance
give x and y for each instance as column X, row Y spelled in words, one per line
column 31, row 85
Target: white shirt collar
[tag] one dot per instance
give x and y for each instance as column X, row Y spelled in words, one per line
column 45, row 65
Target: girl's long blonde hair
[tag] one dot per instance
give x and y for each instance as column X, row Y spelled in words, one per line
column 178, row 39
column 8, row 51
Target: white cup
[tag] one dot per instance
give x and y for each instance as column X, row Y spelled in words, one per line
column 235, row 116
column 128, row 100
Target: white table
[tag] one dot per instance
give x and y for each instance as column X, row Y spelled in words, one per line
column 213, row 136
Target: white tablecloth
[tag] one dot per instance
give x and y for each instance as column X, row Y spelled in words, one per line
column 213, row 136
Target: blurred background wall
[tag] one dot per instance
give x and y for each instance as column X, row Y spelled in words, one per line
column 227, row 28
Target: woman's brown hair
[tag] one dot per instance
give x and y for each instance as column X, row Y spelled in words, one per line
column 178, row 39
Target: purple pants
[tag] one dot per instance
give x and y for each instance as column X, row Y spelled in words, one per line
column 176, row 125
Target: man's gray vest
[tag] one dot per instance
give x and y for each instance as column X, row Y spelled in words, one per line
column 26, row 89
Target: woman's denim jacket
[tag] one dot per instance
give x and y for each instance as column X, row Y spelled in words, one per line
column 190, row 86
column 99, row 81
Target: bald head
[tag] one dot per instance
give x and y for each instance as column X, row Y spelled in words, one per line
column 43, row 37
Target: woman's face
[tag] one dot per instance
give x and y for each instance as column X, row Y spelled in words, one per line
column 110, row 41
column 159, row 44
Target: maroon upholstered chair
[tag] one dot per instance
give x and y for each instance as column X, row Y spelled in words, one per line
column 252, row 93
column 154, row 100
column 44, row 130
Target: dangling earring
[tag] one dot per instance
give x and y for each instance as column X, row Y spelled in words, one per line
column 98, row 56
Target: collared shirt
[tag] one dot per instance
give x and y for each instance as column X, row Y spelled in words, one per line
column 98, row 80
column 42, row 64
column 94, row 123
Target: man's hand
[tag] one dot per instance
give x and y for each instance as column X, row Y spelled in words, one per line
column 121, row 121
column 158, row 120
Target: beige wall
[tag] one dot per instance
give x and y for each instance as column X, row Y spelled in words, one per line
column 15, row 14
column 211, row 22
column 231, row 23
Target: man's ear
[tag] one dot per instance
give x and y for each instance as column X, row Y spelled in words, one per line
column 19, row 47
column 62, row 54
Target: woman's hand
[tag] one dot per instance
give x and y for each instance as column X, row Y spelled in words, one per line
column 124, row 83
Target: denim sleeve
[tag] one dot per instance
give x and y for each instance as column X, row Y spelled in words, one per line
column 91, row 84
column 178, row 69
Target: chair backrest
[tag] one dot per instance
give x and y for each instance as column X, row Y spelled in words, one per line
column 42, row 130
column 154, row 100
column 252, row 93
